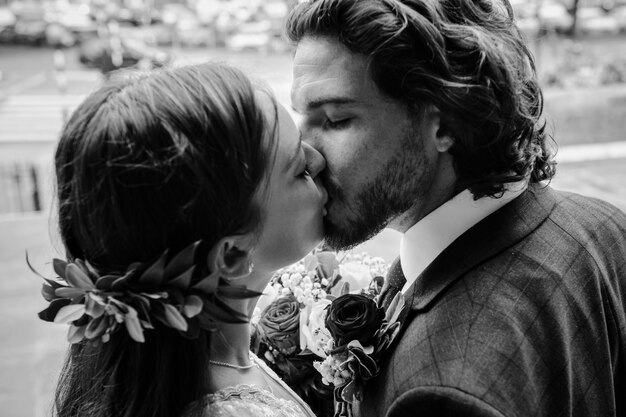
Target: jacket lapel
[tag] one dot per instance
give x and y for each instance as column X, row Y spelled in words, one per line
column 497, row 232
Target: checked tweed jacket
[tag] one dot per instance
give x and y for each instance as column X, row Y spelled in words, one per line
column 523, row 315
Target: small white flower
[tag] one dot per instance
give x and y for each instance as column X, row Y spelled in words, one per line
column 269, row 356
column 295, row 278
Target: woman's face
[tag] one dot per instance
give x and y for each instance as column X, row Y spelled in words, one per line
column 293, row 201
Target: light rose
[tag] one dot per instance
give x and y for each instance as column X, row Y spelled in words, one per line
column 355, row 274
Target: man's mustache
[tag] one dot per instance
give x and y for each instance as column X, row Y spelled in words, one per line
column 331, row 184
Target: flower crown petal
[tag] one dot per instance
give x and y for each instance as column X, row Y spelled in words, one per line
column 133, row 267
column 143, row 312
column 50, row 313
column 69, row 292
column 174, row 318
column 193, row 305
column 106, row 281
column 209, row 284
column 183, row 280
column 77, row 277
column 93, row 308
column 180, row 263
column 153, row 276
column 96, row 327
column 54, row 284
column 59, row 266
column 75, row 333
column 69, row 313
column 134, row 327
column 48, row 292
column 238, row 292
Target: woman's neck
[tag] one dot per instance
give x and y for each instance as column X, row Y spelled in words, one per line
column 231, row 343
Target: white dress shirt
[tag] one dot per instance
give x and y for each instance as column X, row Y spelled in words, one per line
column 425, row 240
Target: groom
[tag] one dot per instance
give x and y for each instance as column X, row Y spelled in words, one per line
column 429, row 114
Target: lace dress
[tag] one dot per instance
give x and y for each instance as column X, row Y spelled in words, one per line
column 245, row 400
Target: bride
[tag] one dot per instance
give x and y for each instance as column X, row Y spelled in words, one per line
column 148, row 167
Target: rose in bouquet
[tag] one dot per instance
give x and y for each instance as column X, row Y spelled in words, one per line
column 289, row 327
column 360, row 333
column 280, row 323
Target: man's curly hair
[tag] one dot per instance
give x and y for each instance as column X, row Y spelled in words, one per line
column 468, row 59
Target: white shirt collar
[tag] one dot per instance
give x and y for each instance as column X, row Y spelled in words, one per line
column 425, row 240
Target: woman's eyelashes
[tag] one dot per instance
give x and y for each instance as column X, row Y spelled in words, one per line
column 305, row 172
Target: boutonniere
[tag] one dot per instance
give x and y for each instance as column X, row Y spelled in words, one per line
column 361, row 332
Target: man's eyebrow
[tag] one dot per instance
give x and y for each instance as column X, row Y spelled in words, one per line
column 336, row 100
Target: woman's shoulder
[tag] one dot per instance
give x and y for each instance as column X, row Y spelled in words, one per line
column 243, row 401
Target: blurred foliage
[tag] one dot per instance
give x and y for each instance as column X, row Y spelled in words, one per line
column 579, row 67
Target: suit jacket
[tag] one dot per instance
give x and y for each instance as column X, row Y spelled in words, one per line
column 523, row 315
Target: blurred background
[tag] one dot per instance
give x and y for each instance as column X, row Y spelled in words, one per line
column 53, row 53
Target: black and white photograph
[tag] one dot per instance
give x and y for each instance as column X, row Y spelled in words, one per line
column 313, row 208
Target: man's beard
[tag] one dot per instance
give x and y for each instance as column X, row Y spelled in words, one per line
column 393, row 192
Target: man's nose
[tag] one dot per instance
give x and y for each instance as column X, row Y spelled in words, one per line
column 315, row 160
column 306, row 130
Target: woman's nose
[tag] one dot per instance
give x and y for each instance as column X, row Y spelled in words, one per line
column 315, row 160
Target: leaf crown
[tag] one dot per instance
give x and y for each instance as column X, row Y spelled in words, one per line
column 170, row 292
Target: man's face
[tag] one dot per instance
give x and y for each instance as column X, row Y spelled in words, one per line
column 381, row 160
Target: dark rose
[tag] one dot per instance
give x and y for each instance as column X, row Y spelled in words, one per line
column 280, row 323
column 354, row 317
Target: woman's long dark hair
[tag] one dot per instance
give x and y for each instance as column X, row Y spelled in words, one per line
column 147, row 163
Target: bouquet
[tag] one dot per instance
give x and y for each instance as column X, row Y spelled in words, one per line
column 289, row 330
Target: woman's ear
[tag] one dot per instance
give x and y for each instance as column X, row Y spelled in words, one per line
column 232, row 256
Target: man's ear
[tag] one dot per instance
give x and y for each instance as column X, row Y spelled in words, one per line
column 444, row 141
column 440, row 130
column 232, row 256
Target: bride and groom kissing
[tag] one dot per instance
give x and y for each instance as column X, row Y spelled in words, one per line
column 423, row 116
